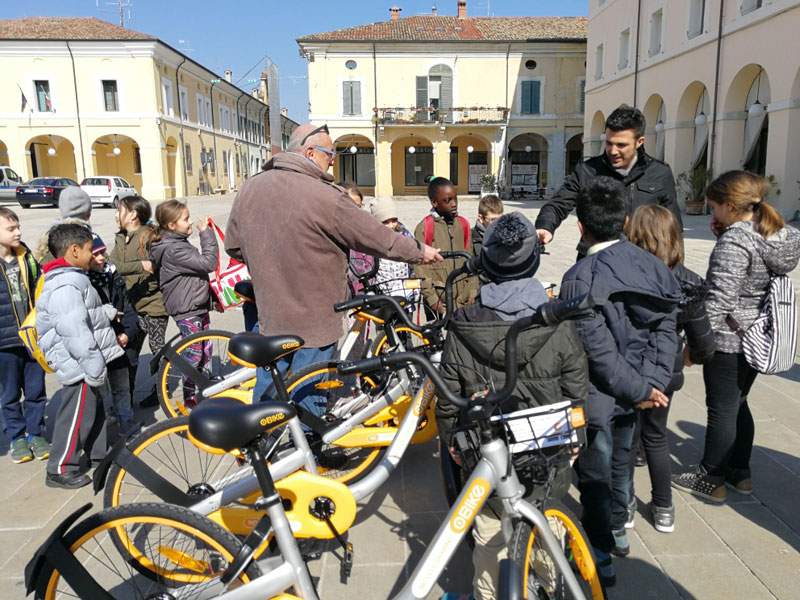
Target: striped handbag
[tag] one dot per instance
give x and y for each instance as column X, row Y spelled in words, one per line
column 770, row 343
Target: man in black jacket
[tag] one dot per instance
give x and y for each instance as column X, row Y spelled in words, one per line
column 646, row 179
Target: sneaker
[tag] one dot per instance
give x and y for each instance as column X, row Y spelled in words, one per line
column 641, row 458
column 21, row 451
column 742, row 485
column 39, row 447
column 701, row 484
column 605, row 568
column 67, row 481
column 631, row 513
column 621, row 546
column 663, row 518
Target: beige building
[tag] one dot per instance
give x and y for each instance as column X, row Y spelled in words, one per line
column 85, row 97
column 719, row 83
column 453, row 96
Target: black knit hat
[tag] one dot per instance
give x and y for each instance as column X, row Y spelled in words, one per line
column 510, row 248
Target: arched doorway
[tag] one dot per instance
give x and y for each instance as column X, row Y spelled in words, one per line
column 527, row 155
column 574, row 152
column 655, row 116
column 412, row 165
column 355, row 161
column 51, row 156
column 118, row 155
column 4, row 154
column 597, row 130
column 469, row 160
column 756, row 128
column 172, row 163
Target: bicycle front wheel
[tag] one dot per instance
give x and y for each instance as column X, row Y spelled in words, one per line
column 177, row 391
column 541, row 578
column 160, row 548
column 165, row 447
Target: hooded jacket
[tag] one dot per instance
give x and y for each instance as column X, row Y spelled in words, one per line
column 293, row 229
column 630, row 335
column 143, row 291
column 74, row 326
column 182, row 272
column 10, row 321
column 738, row 276
column 650, row 181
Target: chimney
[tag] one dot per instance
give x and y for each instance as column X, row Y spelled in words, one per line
column 285, row 112
column 228, row 76
column 433, row 10
column 395, row 11
column 462, row 9
column 255, row 93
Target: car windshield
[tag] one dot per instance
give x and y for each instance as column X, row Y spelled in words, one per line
column 43, row 181
column 95, row 181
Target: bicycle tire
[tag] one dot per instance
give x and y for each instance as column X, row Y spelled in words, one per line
column 541, row 580
column 195, row 553
column 165, row 447
column 171, row 387
column 359, row 461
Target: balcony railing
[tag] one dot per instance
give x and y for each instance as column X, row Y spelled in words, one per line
column 448, row 116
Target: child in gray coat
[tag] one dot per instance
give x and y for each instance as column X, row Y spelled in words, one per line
column 77, row 340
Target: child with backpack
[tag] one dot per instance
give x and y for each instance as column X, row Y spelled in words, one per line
column 23, row 423
column 76, row 337
column 753, row 244
column 551, row 368
column 183, row 276
column 444, row 229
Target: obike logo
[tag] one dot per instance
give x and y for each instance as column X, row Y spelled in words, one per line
column 250, row 523
column 428, row 389
column 465, row 511
column 273, row 419
column 290, row 345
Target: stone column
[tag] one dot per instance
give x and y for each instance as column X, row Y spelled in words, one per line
column 556, row 159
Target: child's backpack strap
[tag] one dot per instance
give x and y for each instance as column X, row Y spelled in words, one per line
column 465, row 227
column 428, row 221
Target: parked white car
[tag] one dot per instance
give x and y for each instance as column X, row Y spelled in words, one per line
column 9, row 181
column 107, row 189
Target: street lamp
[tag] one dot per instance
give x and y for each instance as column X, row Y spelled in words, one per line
column 470, row 149
column 51, row 152
column 411, row 149
column 116, row 151
column 528, row 148
column 353, row 149
column 659, row 127
column 700, row 119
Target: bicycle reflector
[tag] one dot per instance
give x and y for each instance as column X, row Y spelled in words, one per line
column 577, row 418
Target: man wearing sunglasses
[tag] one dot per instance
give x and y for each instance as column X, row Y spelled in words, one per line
column 294, row 228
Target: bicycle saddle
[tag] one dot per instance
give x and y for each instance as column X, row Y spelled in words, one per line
column 382, row 312
column 228, row 424
column 255, row 350
column 244, row 289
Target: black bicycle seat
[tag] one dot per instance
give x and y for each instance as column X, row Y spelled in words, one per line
column 228, row 424
column 244, row 289
column 383, row 312
column 255, row 350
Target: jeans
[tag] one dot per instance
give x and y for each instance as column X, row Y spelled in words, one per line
column 250, row 314
column 20, row 373
column 603, row 470
column 730, row 430
column 295, row 361
column 651, row 427
column 120, row 406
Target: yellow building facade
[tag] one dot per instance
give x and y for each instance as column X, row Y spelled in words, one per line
column 85, row 97
column 717, row 80
column 450, row 96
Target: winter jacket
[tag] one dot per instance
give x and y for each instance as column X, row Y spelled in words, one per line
column 293, row 228
column 30, row 271
column 738, row 275
column 143, row 291
column 693, row 324
column 476, row 234
column 551, row 368
column 448, row 237
column 74, row 326
column 110, row 286
column 630, row 337
column 182, row 272
column 650, row 181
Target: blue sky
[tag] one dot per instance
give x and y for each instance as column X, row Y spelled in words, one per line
column 237, row 34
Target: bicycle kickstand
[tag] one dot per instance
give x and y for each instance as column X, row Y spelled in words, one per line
column 324, row 510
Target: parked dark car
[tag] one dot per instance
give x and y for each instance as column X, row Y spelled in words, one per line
column 42, row 190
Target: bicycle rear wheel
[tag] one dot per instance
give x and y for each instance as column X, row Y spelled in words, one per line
column 159, row 551
column 541, row 578
column 177, row 392
column 165, row 447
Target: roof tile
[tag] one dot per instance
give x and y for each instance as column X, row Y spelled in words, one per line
column 66, row 28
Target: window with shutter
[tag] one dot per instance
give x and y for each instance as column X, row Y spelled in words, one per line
column 531, row 97
column 697, row 9
column 351, row 98
column 422, row 91
column 656, row 21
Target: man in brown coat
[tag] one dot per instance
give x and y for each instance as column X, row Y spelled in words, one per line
column 293, row 228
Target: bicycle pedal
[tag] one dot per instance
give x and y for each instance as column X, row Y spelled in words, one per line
column 347, row 562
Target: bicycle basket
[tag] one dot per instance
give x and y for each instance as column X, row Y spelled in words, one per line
column 537, row 438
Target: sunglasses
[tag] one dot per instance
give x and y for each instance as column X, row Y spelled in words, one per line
column 315, row 132
column 330, row 153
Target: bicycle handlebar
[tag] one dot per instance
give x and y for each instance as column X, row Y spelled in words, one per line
column 549, row 314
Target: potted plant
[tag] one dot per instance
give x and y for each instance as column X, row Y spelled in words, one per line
column 488, row 184
column 692, row 185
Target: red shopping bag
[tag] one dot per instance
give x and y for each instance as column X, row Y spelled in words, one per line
column 223, row 281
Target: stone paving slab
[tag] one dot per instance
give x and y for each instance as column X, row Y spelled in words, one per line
column 747, row 548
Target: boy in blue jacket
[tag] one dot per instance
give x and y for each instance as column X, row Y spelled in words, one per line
column 630, row 341
column 76, row 337
column 23, row 424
